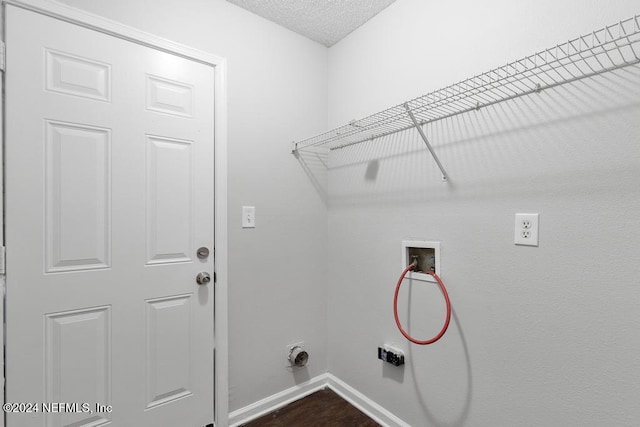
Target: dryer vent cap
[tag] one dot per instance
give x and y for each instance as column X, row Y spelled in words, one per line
column 298, row 356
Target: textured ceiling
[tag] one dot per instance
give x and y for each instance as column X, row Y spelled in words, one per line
column 325, row 21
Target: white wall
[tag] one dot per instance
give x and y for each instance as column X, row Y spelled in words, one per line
column 276, row 93
column 539, row 336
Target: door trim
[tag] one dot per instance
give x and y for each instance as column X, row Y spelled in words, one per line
column 93, row 22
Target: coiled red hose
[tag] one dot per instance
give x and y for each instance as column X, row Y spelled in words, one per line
column 395, row 309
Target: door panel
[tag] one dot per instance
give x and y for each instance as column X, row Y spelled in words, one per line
column 169, row 188
column 168, row 331
column 166, row 96
column 77, row 167
column 79, row 76
column 78, row 357
column 109, row 145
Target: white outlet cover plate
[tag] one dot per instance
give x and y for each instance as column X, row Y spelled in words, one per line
column 248, row 217
column 527, row 229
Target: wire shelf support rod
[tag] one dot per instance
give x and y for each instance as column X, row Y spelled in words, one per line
column 445, row 177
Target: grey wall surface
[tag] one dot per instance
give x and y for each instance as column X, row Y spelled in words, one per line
column 539, row 335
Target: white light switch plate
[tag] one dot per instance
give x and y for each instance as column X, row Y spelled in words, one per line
column 248, row 217
column 526, row 230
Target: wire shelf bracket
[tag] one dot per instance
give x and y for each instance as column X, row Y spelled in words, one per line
column 601, row 51
column 445, row 177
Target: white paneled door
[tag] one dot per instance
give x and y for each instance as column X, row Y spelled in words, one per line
column 109, row 196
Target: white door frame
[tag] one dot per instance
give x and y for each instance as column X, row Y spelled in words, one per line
column 78, row 17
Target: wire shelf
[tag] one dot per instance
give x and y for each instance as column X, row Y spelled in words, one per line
column 601, row 51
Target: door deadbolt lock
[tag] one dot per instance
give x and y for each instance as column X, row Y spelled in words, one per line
column 203, row 278
column 203, row 252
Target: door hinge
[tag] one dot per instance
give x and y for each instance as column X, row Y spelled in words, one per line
column 3, row 56
column 2, row 259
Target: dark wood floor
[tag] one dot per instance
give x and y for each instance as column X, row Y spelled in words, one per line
column 323, row 408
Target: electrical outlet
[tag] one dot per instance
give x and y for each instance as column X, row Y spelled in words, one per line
column 526, row 229
column 391, row 355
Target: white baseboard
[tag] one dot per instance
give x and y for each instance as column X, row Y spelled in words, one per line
column 283, row 398
column 276, row 401
column 363, row 403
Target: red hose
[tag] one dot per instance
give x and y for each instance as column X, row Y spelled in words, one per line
column 395, row 309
